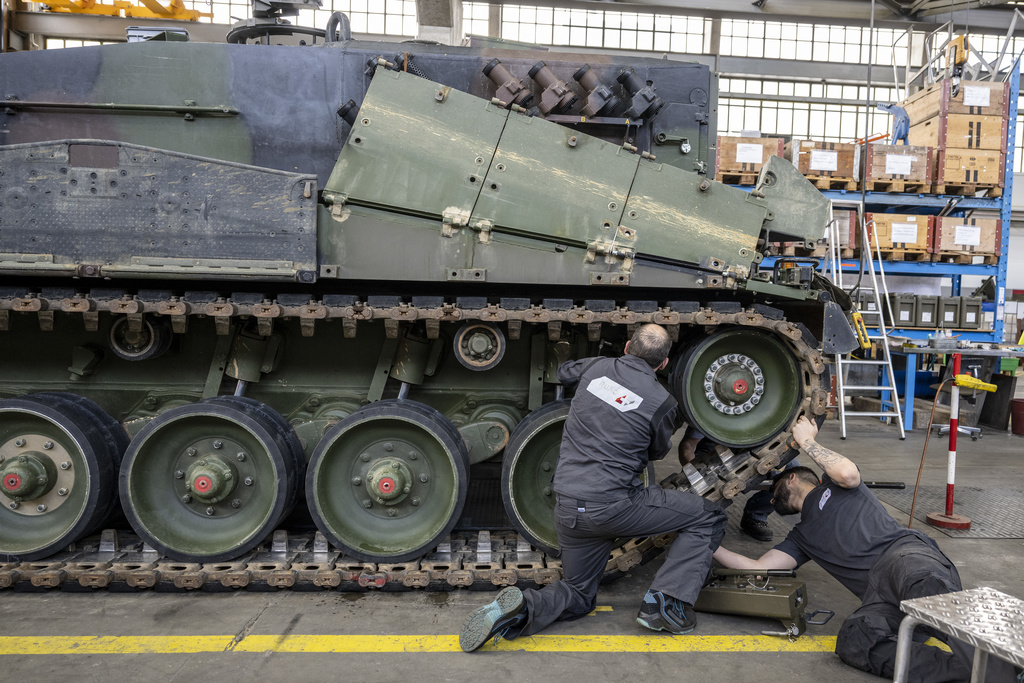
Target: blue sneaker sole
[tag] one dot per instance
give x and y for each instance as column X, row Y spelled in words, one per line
column 481, row 625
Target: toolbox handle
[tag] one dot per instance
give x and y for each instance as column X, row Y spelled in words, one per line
column 809, row 618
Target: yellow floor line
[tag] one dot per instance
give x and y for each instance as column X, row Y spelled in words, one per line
column 118, row 645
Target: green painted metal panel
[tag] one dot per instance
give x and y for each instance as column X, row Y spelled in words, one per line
column 417, row 146
column 549, row 179
column 673, row 217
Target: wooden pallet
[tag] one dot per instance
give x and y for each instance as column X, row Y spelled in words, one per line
column 825, row 182
column 736, row 178
column 968, row 190
column 898, row 186
column 903, row 255
column 820, row 251
column 964, row 257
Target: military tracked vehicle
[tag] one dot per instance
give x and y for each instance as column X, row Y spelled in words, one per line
column 296, row 310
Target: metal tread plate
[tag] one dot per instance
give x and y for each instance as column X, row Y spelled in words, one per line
column 995, row 512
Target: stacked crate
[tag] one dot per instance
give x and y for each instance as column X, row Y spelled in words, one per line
column 738, row 159
column 968, row 132
column 897, row 168
column 960, row 240
column 901, row 237
column 846, row 229
column 829, row 165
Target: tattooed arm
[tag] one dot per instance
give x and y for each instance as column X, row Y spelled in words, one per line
column 839, row 468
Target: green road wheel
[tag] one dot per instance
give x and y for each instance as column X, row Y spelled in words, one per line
column 389, row 482
column 739, row 387
column 58, row 472
column 527, row 471
column 209, row 481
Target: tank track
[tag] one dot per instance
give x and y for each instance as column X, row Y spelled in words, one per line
column 483, row 560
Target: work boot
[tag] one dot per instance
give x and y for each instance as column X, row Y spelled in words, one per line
column 757, row 528
column 495, row 618
column 660, row 612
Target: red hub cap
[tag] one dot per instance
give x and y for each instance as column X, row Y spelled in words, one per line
column 12, row 482
column 202, row 484
column 386, row 485
column 739, row 386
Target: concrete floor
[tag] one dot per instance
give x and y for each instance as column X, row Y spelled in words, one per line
column 229, row 619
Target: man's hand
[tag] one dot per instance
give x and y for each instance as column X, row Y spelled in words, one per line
column 804, row 431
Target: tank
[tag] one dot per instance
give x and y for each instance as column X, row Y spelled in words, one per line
column 310, row 300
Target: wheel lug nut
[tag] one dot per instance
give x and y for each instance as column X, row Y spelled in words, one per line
column 179, row 475
column 236, row 503
column 240, row 457
column 40, row 508
column 365, row 457
column 392, row 512
column 248, row 481
column 546, row 491
column 65, row 465
column 356, row 481
column 415, row 501
column 388, row 447
column 413, row 455
column 424, row 478
column 395, row 466
column 367, row 503
column 218, row 444
column 202, row 463
column 48, row 445
column 186, row 498
column 546, row 467
column 19, row 442
column 191, row 452
column 62, row 492
column 14, row 505
column 407, row 489
column 210, row 511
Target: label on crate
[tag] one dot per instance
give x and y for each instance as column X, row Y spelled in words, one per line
column 904, row 315
column 976, row 96
column 824, row 160
column 904, row 232
column 968, row 235
column 926, row 316
column 898, row 164
column 949, row 317
column 749, row 154
column 972, row 317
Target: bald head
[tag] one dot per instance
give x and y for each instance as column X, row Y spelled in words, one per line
column 650, row 343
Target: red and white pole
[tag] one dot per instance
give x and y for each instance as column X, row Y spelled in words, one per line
column 949, row 520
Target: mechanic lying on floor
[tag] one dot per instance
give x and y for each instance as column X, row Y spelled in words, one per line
column 846, row 530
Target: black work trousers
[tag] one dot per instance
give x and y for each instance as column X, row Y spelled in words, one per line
column 586, row 538
column 867, row 639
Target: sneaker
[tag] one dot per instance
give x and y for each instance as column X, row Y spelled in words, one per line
column 660, row 612
column 757, row 528
column 508, row 609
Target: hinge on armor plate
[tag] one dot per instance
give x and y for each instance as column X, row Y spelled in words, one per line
column 483, row 227
column 612, row 253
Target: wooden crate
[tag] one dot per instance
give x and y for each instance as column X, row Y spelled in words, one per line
column 825, row 160
column 846, row 226
column 968, row 168
column 974, row 97
column 953, row 235
column 910, row 236
column 897, row 168
column 739, row 156
column 961, row 131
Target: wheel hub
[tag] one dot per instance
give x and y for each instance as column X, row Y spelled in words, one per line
column 211, row 479
column 36, row 468
column 214, row 470
column 734, row 384
column 389, row 481
column 479, row 346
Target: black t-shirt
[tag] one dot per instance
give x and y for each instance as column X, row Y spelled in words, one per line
column 620, row 419
column 845, row 531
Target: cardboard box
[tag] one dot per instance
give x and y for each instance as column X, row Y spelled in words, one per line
column 899, row 231
column 829, row 159
column 898, row 162
column 951, row 234
column 969, row 167
column 962, row 131
column 983, row 98
column 745, row 155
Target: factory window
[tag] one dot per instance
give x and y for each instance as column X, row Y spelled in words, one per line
column 476, row 18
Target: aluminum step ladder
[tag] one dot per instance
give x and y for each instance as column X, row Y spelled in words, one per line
column 879, row 292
